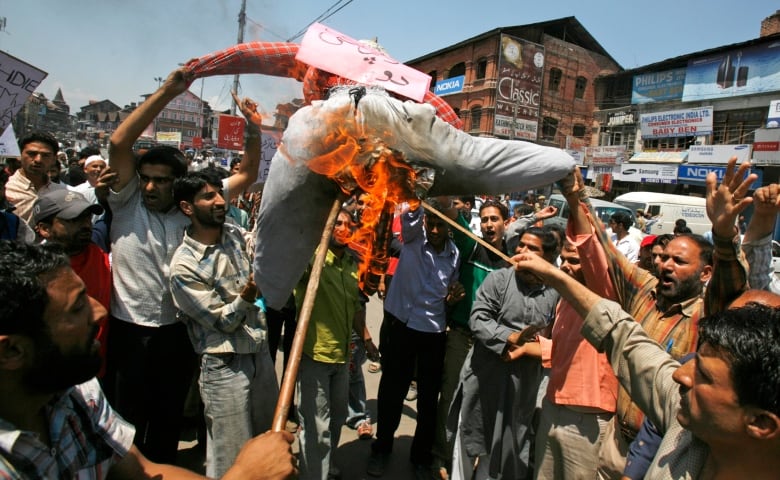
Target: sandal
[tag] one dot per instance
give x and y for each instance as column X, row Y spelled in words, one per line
column 374, row 367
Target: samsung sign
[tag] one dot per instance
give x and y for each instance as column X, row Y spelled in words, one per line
column 450, row 85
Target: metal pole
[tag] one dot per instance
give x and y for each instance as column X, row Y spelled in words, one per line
column 287, row 389
column 241, row 24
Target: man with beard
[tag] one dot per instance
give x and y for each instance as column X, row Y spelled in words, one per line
column 38, row 154
column 150, row 353
column 477, row 262
column 670, row 306
column 323, row 377
column 54, row 419
column 212, row 287
column 65, row 217
column 496, row 397
column 719, row 413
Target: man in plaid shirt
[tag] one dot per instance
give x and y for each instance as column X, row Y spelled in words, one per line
column 55, row 421
column 213, row 289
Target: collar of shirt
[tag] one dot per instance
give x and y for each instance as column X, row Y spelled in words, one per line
column 201, row 249
column 686, row 307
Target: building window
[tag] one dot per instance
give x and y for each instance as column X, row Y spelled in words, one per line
column 457, row 70
column 555, row 79
column 578, row 130
column 481, row 68
column 476, row 117
column 579, row 87
column 549, row 128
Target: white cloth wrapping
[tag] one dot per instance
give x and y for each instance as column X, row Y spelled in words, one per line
column 296, row 200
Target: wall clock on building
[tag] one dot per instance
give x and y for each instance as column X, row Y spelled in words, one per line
column 539, row 59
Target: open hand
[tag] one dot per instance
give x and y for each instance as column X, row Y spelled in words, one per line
column 727, row 200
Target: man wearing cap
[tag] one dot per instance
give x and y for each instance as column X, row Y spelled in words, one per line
column 645, row 259
column 93, row 167
column 65, row 217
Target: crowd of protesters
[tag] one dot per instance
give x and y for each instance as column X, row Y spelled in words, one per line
column 563, row 361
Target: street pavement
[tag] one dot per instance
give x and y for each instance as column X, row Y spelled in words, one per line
column 352, row 454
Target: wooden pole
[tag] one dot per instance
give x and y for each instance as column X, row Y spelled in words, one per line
column 291, row 372
column 468, row 232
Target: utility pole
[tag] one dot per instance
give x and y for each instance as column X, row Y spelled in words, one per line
column 241, row 25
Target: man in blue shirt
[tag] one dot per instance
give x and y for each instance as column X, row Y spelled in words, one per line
column 416, row 305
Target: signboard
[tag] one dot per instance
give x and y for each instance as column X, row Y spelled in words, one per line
column 448, row 86
column 337, row 53
column 18, row 80
column 168, row 137
column 648, row 173
column 766, row 146
column 197, row 142
column 518, row 89
column 658, row 86
column 230, row 132
column 612, row 155
column 270, row 143
column 9, row 146
column 691, row 122
column 773, row 118
column 697, row 174
column 742, row 71
column 718, row 153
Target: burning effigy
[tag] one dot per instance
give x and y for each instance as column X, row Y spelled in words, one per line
column 354, row 137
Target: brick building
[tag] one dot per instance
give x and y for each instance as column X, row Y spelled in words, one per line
column 532, row 82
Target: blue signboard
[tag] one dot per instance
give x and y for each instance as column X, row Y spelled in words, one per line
column 450, row 85
column 658, row 86
column 697, row 174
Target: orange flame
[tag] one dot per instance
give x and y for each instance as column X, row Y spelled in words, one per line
column 361, row 166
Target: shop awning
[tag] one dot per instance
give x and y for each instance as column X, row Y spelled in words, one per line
column 659, row 157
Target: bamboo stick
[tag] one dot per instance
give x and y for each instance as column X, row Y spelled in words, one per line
column 287, row 389
column 468, row 232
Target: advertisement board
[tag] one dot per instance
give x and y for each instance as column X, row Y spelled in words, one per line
column 773, row 117
column 519, row 88
column 692, row 122
column 743, row 71
column 697, row 174
column 612, row 155
column 712, row 154
column 448, row 86
column 168, row 137
column 658, row 86
column 648, row 173
column 230, row 132
column 766, row 146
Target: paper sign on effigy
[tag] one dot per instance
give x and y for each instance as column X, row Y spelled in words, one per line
column 18, row 80
column 337, row 53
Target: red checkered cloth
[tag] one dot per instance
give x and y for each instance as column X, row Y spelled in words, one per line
column 278, row 59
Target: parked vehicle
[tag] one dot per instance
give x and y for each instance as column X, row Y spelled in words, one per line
column 666, row 209
column 604, row 210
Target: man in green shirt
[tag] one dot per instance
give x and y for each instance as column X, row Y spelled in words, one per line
column 323, row 375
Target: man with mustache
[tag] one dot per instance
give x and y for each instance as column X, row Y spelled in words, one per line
column 212, row 287
column 65, row 217
column 721, row 419
column 55, row 421
column 668, row 307
column 38, row 154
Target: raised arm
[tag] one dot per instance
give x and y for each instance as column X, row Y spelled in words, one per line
column 573, row 190
column 247, row 169
column 724, row 204
column 757, row 243
column 120, row 151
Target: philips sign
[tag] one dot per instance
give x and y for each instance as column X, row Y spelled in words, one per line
column 450, row 85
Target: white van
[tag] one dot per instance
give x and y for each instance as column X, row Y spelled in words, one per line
column 667, row 208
